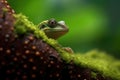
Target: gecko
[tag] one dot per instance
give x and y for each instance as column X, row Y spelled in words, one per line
column 55, row 29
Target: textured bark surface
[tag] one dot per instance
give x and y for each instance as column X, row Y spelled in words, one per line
column 27, row 57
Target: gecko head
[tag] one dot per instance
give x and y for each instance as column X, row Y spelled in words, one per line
column 54, row 29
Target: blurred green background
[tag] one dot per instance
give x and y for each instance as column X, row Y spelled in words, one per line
column 94, row 24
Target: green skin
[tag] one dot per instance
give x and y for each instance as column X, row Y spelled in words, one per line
column 53, row 29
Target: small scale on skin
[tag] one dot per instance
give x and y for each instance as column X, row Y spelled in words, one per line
column 55, row 30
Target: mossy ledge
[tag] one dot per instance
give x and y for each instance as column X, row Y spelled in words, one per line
column 27, row 53
column 95, row 60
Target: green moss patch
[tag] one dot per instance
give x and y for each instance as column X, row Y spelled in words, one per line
column 95, row 60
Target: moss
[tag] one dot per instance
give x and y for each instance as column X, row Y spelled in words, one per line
column 93, row 75
column 27, row 26
column 22, row 25
column 95, row 60
column 27, row 53
column 99, row 62
column 33, row 47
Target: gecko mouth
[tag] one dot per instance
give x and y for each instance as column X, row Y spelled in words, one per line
column 57, row 29
column 56, row 32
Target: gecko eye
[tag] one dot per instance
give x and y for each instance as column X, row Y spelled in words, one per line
column 52, row 23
